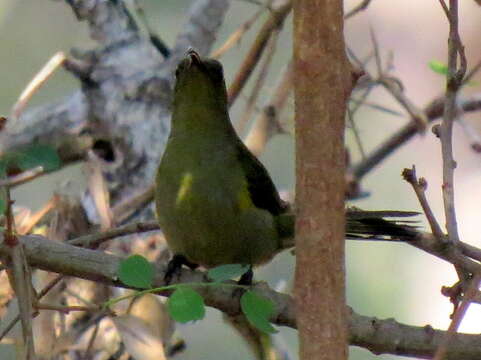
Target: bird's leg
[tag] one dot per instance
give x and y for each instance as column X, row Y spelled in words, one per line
column 247, row 277
column 174, row 266
column 245, row 280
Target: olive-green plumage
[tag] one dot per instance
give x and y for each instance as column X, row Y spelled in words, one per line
column 215, row 201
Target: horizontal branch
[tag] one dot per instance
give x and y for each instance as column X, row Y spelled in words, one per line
column 59, row 124
column 379, row 336
column 388, row 336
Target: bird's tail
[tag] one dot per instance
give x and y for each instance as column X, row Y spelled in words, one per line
column 380, row 225
column 362, row 225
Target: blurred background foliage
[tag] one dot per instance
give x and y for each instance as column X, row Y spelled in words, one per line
column 384, row 280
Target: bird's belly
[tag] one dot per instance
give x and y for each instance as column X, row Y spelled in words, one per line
column 211, row 225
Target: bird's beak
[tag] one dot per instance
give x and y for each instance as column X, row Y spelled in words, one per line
column 194, row 58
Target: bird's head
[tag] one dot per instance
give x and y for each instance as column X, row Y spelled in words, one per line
column 199, row 81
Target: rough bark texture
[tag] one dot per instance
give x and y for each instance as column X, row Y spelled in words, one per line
column 322, row 83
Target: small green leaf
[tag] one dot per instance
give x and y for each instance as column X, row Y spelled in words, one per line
column 438, row 67
column 227, row 272
column 136, row 271
column 257, row 310
column 185, row 305
column 3, row 205
column 38, row 155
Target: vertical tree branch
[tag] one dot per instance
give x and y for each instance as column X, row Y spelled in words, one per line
column 454, row 82
column 322, row 83
column 456, row 72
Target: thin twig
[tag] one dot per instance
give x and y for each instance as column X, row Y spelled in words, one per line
column 375, row 106
column 433, row 111
column 472, row 72
column 445, row 8
column 459, row 314
column 255, row 2
column 251, row 100
column 472, row 134
column 355, row 131
column 95, row 239
column 33, row 219
column 454, row 81
column 267, row 123
column 154, row 38
column 377, row 55
column 21, row 280
column 419, row 187
column 237, row 35
column 392, row 85
column 93, row 336
column 362, row 6
column 66, row 309
column 38, row 80
column 453, row 84
column 131, row 204
column 40, row 295
column 276, row 19
column 78, row 297
column 350, row 115
column 23, row 177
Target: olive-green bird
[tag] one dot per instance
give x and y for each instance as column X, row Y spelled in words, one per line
column 216, row 203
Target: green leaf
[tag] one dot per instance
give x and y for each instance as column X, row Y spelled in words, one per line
column 227, row 272
column 38, row 155
column 438, row 67
column 441, row 68
column 185, row 305
column 3, row 205
column 136, row 271
column 257, row 310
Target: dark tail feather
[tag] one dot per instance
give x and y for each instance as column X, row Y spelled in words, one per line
column 376, row 225
column 360, row 225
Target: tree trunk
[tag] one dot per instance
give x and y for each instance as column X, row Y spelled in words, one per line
column 322, row 83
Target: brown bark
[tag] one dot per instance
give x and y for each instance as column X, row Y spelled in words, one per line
column 322, row 81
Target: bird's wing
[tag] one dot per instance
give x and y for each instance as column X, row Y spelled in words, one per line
column 262, row 190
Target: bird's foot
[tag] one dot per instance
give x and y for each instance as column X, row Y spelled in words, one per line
column 174, row 266
column 245, row 280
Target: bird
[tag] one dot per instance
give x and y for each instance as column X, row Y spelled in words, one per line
column 215, row 201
